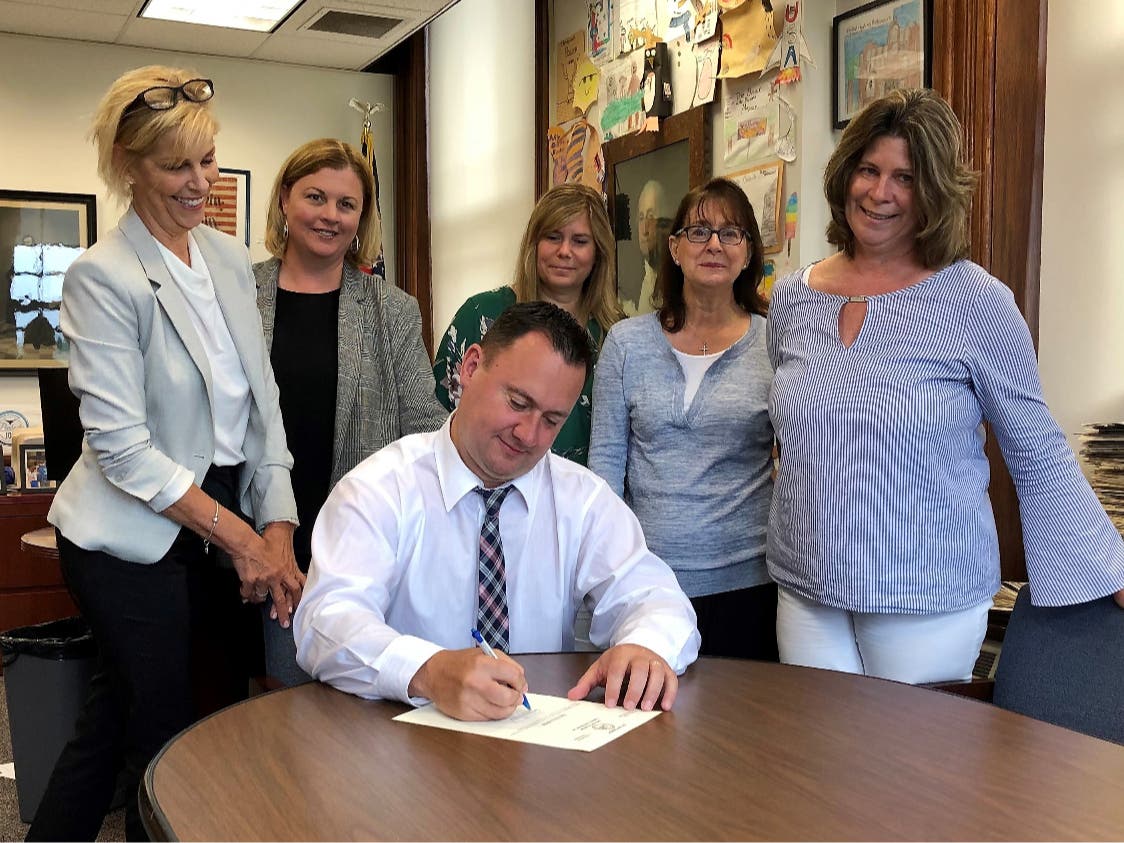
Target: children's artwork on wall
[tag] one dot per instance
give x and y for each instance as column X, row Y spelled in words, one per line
column 762, row 184
column 707, row 58
column 575, row 154
column 791, row 210
column 706, row 19
column 680, row 19
column 684, row 74
column 748, row 121
column 791, row 48
column 879, row 47
column 769, row 278
column 569, row 55
column 587, row 78
column 785, row 143
column 599, row 31
column 638, row 24
column 747, row 39
column 622, row 106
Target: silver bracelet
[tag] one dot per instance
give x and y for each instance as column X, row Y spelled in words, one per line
column 214, row 523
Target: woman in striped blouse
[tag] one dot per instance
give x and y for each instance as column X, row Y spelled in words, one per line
column 888, row 356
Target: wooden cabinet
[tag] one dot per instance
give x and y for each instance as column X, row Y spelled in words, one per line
column 31, row 586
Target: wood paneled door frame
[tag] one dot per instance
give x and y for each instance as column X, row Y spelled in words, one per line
column 989, row 62
column 413, row 265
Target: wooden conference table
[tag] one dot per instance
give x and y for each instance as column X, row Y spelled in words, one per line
column 750, row 751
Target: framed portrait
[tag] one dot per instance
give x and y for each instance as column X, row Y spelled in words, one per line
column 228, row 205
column 646, row 176
column 41, row 234
column 876, row 48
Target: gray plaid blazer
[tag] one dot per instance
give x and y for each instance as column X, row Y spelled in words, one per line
column 385, row 387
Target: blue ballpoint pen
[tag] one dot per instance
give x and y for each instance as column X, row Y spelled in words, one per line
column 488, row 651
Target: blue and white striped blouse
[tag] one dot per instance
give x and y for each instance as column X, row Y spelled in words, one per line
column 881, row 498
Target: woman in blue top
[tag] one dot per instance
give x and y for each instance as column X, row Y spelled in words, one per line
column 680, row 423
column 888, row 357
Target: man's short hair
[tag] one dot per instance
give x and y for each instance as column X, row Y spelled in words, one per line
column 566, row 336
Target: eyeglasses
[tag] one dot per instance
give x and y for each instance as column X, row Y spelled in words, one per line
column 163, row 97
column 729, row 235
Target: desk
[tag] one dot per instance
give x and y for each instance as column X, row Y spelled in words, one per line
column 751, row 750
column 31, row 585
column 41, row 544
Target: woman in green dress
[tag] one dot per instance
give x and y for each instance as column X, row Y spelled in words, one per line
column 567, row 259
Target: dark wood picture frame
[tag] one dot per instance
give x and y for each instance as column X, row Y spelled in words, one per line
column 66, row 219
column 691, row 127
column 857, row 24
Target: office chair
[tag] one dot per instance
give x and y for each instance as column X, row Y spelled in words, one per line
column 1065, row 665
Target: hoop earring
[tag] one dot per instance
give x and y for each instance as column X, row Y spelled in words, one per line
column 285, row 230
column 355, row 246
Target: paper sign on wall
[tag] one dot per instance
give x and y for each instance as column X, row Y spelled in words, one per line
column 748, row 121
column 762, row 185
column 747, row 38
column 570, row 53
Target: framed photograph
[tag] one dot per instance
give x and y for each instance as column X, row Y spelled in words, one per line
column 646, row 176
column 228, row 206
column 876, row 48
column 40, row 236
column 763, row 185
column 30, row 464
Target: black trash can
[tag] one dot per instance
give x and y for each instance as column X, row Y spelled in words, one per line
column 47, row 670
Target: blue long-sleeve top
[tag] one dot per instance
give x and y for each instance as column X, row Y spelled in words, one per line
column 881, row 501
column 698, row 477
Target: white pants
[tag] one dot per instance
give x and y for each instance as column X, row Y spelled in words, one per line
column 940, row 647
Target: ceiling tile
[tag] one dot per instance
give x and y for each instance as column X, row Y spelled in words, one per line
column 189, row 37
column 300, row 49
column 51, row 22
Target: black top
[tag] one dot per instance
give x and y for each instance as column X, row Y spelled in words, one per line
column 305, row 364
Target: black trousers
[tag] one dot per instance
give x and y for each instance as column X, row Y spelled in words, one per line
column 741, row 623
column 174, row 642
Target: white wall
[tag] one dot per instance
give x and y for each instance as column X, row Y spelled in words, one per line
column 481, row 146
column 49, row 89
column 1081, row 323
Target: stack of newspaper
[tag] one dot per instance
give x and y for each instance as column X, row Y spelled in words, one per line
column 1102, row 449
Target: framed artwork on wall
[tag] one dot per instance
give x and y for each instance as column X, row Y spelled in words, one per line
column 228, row 205
column 762, row 185
column 41, row 234
column 876, row 48
column 646, row 176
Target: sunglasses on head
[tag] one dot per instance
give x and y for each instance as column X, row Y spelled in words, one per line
column 163, row 97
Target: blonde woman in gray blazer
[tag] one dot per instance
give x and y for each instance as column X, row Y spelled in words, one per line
column 345, row 345
column 184, row 453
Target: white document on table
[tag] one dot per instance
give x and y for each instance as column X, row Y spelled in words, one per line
column 552, row 721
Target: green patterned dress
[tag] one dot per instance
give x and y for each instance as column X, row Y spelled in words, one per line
column 471, row 322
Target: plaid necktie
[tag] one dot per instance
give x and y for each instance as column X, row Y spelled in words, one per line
column 491, row 596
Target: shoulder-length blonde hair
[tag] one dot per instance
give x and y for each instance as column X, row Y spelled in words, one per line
column 557, row 207
column 943, row 184
column 134, row 133
column 310, row 158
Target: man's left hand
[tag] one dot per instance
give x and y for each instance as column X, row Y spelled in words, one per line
column 643, row 672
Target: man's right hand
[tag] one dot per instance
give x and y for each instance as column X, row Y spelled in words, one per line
column 469, row 685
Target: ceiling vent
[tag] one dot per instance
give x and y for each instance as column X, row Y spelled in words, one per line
column 356, row 25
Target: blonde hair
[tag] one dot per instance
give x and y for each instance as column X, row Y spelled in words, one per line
column 135, row 134
column 557, row 207
column 310, row 158
column 943, row 184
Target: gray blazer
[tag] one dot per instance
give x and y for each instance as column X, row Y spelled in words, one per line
column 384, row 387
column 144, row 384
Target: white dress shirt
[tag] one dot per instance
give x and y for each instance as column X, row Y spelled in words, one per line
column 394, row 568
